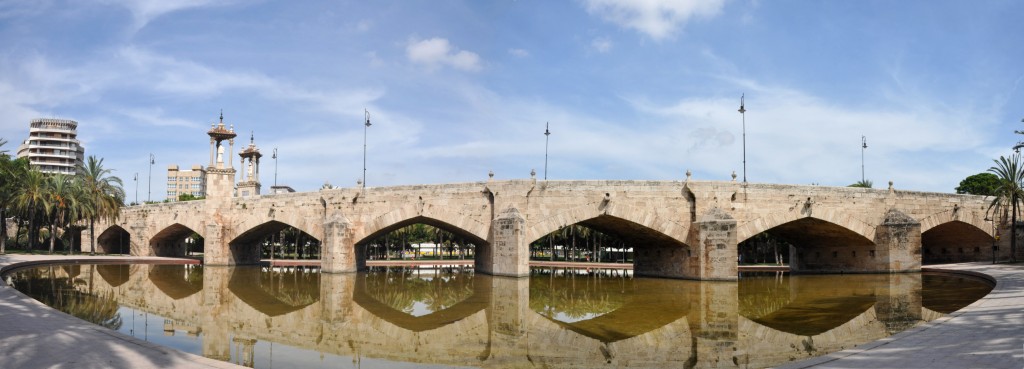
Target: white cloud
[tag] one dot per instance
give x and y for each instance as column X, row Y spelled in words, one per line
column 601, row 44
column 364, row 25
column 519, row 53
column 658, row 19
column 144, row 11
column 436, row 52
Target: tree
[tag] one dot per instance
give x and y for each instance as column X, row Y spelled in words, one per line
column 862, row 184
column 62, row 197
column 29, row 200
column 984, row 184
column 1008, row 195
column 104, row 192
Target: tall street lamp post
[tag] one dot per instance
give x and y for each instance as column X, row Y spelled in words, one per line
column 547, row 138
column 136, row 188
column 152, row 160
column 366, row 127
column 743, row 112
column 275, row 166
column 863, row 145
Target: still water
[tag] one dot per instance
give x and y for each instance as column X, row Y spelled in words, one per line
column 447, row 316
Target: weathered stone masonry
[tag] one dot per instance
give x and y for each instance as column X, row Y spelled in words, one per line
column 680, row 229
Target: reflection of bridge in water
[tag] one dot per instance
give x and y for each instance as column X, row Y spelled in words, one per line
column 652, row 322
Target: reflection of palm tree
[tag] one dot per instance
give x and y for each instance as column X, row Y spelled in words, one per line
column 563, row 295
column 63, row 295
column 400, row 289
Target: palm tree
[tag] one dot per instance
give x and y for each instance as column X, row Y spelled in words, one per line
column 1009, row 193
column 862, row 184
column 59, row 200
column 104, row 192
column 30, row 199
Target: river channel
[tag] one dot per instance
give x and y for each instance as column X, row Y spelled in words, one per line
column 447, row 316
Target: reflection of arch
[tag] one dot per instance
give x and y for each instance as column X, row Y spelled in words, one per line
column 114, row 274
column 177, row 281
column 817, row 302
column 171, row 240
column 464, row 226
column 259, row 290
column 955, row 241
column 114, row 240
column 769, row 222
column 479, row 300
column 657, row 303
column 613, row 218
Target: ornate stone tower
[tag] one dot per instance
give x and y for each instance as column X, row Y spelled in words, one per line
column 249, row 185
column 220, row 176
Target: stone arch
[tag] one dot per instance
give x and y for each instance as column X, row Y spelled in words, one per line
column 114, row 240
column 771, row 221
column 956, row 241
column 973, row 218
column 609, row 217
column 466, row 226
column 245, row 248
column 308, row 223
column 170, row 241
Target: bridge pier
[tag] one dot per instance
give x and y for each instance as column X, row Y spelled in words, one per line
column 509, row 252
column 339, row 250
column 709, row 254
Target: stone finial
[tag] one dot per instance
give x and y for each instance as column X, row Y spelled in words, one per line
column 688, row 174
column 533, row 174
column 359, row 182
column 890, row 185
column 734, row 176
column 490, row 174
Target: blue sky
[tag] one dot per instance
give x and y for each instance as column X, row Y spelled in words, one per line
column 642, row 89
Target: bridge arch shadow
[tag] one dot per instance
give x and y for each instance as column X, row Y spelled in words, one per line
column 814, row 244
column 955, row 241
column 173, row 240
column 114, row 240
column 246, row 248
column 378, row 231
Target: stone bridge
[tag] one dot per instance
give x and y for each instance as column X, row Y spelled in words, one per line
column 679, row 229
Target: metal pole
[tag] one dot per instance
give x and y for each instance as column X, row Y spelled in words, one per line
column 275, row 167
column 863, row 145
column 743, row 112
column 547, row 138
column 149, row 197
column 136, row 188
column 365, row 129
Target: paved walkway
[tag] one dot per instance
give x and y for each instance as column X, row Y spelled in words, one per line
column 33, row 335
column 987, row 334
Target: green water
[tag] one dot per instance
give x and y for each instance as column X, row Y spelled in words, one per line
column 451, row 317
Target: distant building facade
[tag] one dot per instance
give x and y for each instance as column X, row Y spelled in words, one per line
column 53, row 147
column 281, row 189
column 187, row 181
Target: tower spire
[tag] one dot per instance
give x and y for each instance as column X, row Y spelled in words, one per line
column 222, row 116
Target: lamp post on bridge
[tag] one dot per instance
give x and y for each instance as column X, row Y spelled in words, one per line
column 366, row 127
column 275, row 166
column 743, row 112
column 136, row 179
column 547, row 138
column 863, row 145
column 152, row 160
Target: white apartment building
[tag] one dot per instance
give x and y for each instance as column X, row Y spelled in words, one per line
column 52, row 146
column 185, row 181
